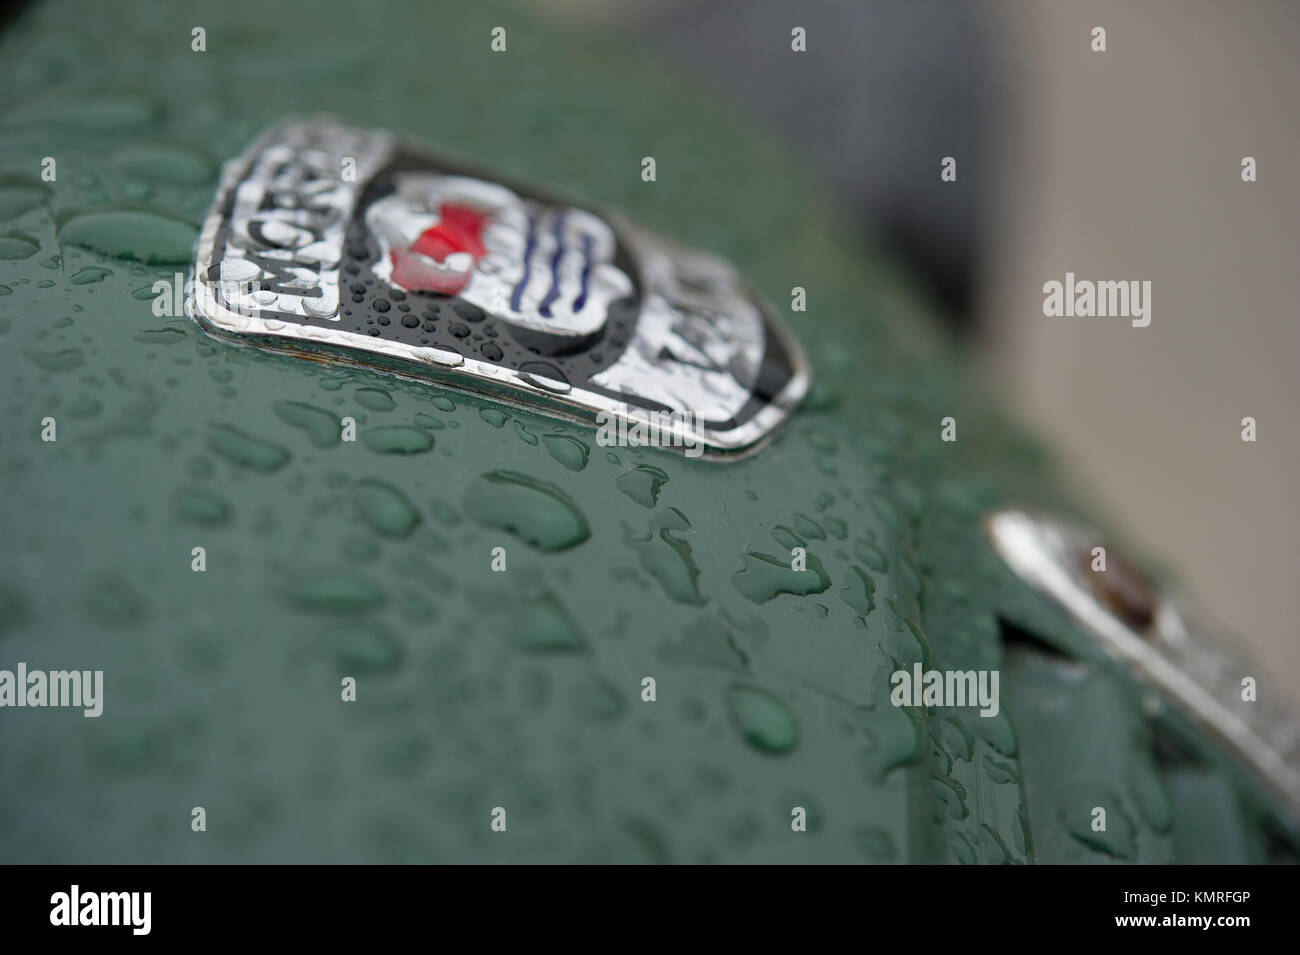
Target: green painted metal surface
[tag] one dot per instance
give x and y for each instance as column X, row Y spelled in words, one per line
column 371, row 559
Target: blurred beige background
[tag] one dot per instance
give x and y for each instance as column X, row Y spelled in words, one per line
column 1127, row 165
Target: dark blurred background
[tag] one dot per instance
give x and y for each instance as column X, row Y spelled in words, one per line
column 884, row 91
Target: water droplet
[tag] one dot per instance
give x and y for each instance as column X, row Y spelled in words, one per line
column 398, row 439
column 445, row 513
column 335, row 593
column 537, row 512
column 126, row 232
column 859, row 591
column 321, row 426
column 14, row 607
column 126, row 752
column 962, row 849
column 871, row 555
column 876, row 844
column 807, row 528
column 631, row 842
column 997, row 731
column 319, row 308
column 763, row 578
column 112, row 602
column 570, row 452
column 667, row 557
column 160, row 336
column 787, row 538
column 545, row 376
column 895, row 737
column 165, row 162
column 245, row 450
column 1004, row 774
column 85, row 408
column 821, row 440
column 642, row 484
column 494, row 417
column 375, row 399
column 1118, row 840
column 384, row 508
column 65, row 360
column 524, row 435
column 951, row 795
column 368, row 647
column 543, row 625
column 428, row 421
column 19, row 195
column 201, row 507
column 595, row 698
column 764, row 721
column 15, row 246
column 90, row 275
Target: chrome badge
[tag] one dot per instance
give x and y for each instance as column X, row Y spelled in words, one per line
column 1142, row 628
column 344, row 244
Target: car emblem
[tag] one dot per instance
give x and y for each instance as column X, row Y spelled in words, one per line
column 1142, row 628
column 346, row 245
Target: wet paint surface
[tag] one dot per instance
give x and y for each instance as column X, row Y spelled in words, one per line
column 328, row 558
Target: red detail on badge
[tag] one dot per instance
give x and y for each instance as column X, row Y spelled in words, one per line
column 422, row 267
